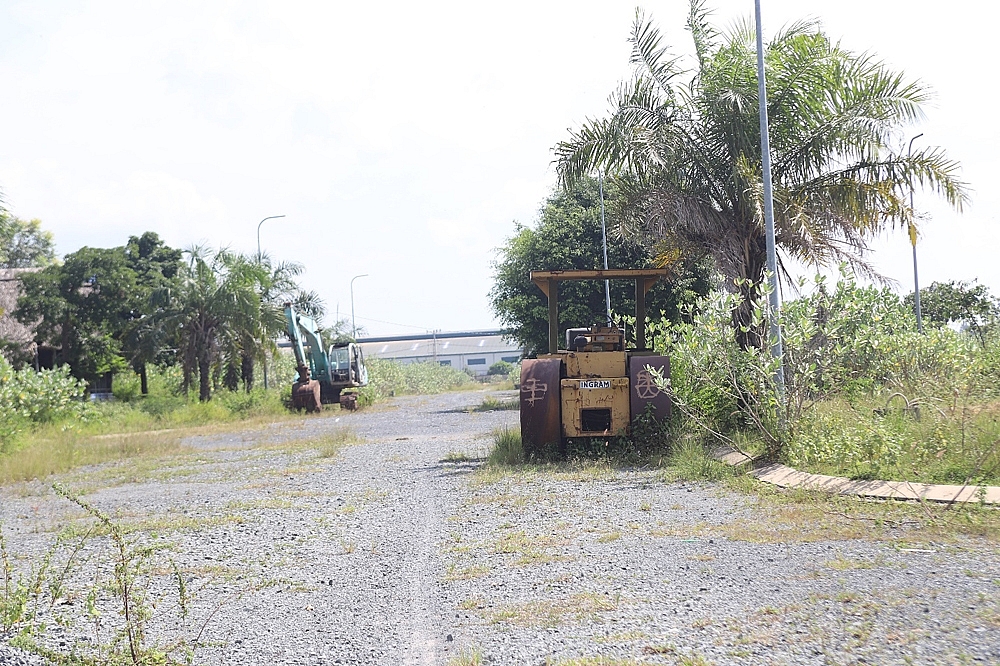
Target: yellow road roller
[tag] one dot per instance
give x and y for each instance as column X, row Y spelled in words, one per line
column 594, row 387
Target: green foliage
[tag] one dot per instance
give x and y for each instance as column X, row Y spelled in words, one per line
column 715, row 382
column 24, row 244
column 966, row 303
column 500, row 368
column 82, row 306
column 865, row 394
column 507, row 447
column 28, row 397
column 568, row 236
column 388, row 378
column 682, row 145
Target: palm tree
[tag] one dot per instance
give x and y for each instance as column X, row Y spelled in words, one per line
column 216, row 298
column 276, row 283
column 684, row 147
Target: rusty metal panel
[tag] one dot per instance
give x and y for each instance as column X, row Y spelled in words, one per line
column 540, row 417
column 644, row 389
column 580, row 395
column 595, row 364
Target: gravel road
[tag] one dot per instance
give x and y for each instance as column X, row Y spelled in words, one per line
column 399, row 549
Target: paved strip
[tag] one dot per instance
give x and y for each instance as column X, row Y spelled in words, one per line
column 784, row 476
column 788, row 477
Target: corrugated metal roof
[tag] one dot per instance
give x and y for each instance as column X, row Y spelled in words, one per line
column 480, row 344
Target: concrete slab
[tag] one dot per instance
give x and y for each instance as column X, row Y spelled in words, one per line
column 784, row 476
column 788, row 477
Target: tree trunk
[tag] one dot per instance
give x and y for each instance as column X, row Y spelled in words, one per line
column 143, row 379
column 754, row 265
column 204, row 377
column 246, row 369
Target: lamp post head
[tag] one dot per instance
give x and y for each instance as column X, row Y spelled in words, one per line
column 272, row 217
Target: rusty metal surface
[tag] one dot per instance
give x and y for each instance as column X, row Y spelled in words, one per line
column 595, row 364
column 644, row 390
column 648, row 276
column 540, row 417
column 306, row 395
column 349, row 401
column 599, row 393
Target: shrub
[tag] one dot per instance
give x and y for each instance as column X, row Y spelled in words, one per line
column 500, row 368
column 28, row 397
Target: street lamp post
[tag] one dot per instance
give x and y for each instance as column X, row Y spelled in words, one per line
column 772, row 264
column 354, row 324
column 913, row 242
column 273, row 217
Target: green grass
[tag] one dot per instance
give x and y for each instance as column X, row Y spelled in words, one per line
column 507, row 448
column 493, row 404
column 876, row 439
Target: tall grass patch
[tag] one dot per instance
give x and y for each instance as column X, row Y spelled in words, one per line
column 507, row 447
column 55, row 450
column 387, row 378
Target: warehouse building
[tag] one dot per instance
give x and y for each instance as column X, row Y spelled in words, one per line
column 475, row 351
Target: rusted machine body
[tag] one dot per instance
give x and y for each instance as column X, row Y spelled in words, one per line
column 323, row 374
column 594, row 387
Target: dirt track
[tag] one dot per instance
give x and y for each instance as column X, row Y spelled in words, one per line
column 397, row 550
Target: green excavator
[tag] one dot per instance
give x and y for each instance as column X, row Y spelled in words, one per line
column 323, row 374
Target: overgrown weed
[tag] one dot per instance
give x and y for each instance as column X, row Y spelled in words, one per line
column 124, row 591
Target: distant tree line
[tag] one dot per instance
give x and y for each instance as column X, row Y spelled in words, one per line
column 214, row 313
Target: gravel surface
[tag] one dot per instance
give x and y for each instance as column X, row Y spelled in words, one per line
column 396, row 550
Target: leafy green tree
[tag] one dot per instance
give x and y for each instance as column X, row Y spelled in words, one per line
column 156, row 266
column 82, row 306
column 684, row 148
column 966, row 303
column 24, row 244
column 568, row 236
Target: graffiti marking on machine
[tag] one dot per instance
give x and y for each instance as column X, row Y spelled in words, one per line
column 535, row 391
column 595, row 383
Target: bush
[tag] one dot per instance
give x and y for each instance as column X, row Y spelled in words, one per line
column 865, row 394
column 507, row 447
column 28, row 397
column 500, row 368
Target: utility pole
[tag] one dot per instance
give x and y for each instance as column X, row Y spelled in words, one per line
column 913, row 241
column 772, row 263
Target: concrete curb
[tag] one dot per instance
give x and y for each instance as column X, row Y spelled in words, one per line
column 784, row 476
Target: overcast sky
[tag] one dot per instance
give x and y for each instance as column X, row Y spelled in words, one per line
column 402, row 139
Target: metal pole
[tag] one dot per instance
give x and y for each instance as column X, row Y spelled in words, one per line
column 273, row 217
column 913, row 242
column 354, row 324
column 604, row 237
column 772, row 264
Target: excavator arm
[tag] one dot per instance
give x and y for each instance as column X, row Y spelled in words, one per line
column 303, row 331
